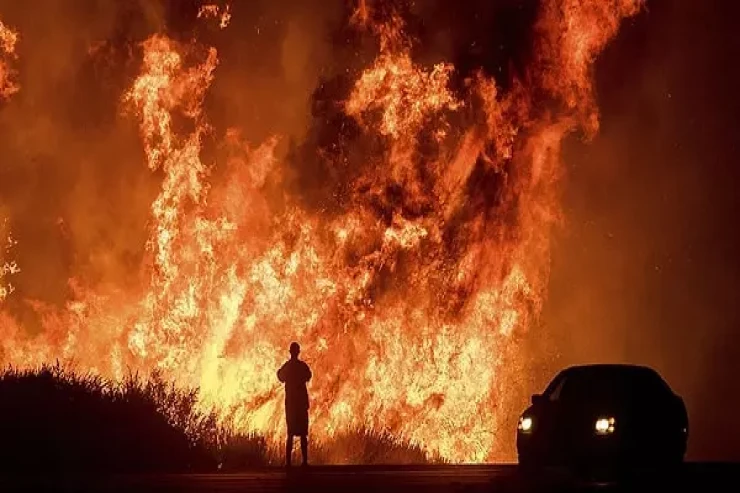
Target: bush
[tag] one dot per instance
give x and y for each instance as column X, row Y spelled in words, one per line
column 54, row 420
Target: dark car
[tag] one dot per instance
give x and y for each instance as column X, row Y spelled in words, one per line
column 604, row 415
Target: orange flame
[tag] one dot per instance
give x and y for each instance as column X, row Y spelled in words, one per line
column 212, row 11
column 7, row 267
column 8, row 41
column 410, row 299
column 573, row 33
column 361, row 14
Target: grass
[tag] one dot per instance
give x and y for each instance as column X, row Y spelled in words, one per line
column 55, row 420
column 362, row 446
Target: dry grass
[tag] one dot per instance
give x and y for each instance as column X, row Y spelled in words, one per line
column 57, row 420
column 363, row 446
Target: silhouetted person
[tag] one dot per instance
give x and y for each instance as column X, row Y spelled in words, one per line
column 295, row 374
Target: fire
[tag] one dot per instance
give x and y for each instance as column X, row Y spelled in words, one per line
column 574, row 32
column 216, row 12
column 8, row 267
column 8, row 41
column 410, row 293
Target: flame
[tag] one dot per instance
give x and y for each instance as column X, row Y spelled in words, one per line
column 361, row 14
column 574, row 32
column 213, row 11
column 410, row 297
column 7, row 267
column 8, row 42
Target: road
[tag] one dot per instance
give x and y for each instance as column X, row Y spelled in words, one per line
column 385, row 479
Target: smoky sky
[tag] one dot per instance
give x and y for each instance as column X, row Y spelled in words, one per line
column 645, row 268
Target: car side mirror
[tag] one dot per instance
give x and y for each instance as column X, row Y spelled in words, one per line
column 538, row 399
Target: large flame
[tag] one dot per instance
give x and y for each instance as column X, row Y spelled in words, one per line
column 410, row 293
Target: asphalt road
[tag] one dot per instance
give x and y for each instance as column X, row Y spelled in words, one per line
column 384, row 479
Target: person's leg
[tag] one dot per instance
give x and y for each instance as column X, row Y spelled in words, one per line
column 304, row 449
column 288, row 449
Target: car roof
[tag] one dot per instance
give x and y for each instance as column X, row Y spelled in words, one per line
column 617, row 377
column 610, row 367
column 613, row 370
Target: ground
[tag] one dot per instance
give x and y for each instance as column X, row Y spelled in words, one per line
column 387, row 479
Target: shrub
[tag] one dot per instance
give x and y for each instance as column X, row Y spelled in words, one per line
column 55, row 420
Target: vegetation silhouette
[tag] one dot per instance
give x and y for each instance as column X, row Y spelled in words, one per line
column 55, row 420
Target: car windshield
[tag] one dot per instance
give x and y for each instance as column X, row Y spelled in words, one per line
column 606, row 382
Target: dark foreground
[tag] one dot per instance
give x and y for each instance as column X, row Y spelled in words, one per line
column 389, row 479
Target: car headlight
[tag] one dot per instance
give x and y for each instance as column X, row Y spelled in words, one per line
column 605, row 426
column 525, row 424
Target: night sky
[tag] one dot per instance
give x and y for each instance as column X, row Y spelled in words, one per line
column 646, row 269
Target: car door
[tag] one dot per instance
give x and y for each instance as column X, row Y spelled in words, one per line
column 555, row 426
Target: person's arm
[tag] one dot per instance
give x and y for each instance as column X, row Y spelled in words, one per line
column 308, row 373
column 281, row 374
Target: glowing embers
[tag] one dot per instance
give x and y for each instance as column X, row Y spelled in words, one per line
column 212, row 11
column 8, row 41
column 8, row 266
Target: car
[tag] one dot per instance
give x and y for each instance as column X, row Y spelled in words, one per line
column 604, row 415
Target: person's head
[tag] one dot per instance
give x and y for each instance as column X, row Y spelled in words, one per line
column 295, row 350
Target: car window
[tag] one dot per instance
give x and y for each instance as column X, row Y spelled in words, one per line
column 651, row 385
column 578, row 387
column 585, row 385
column 553, row 391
